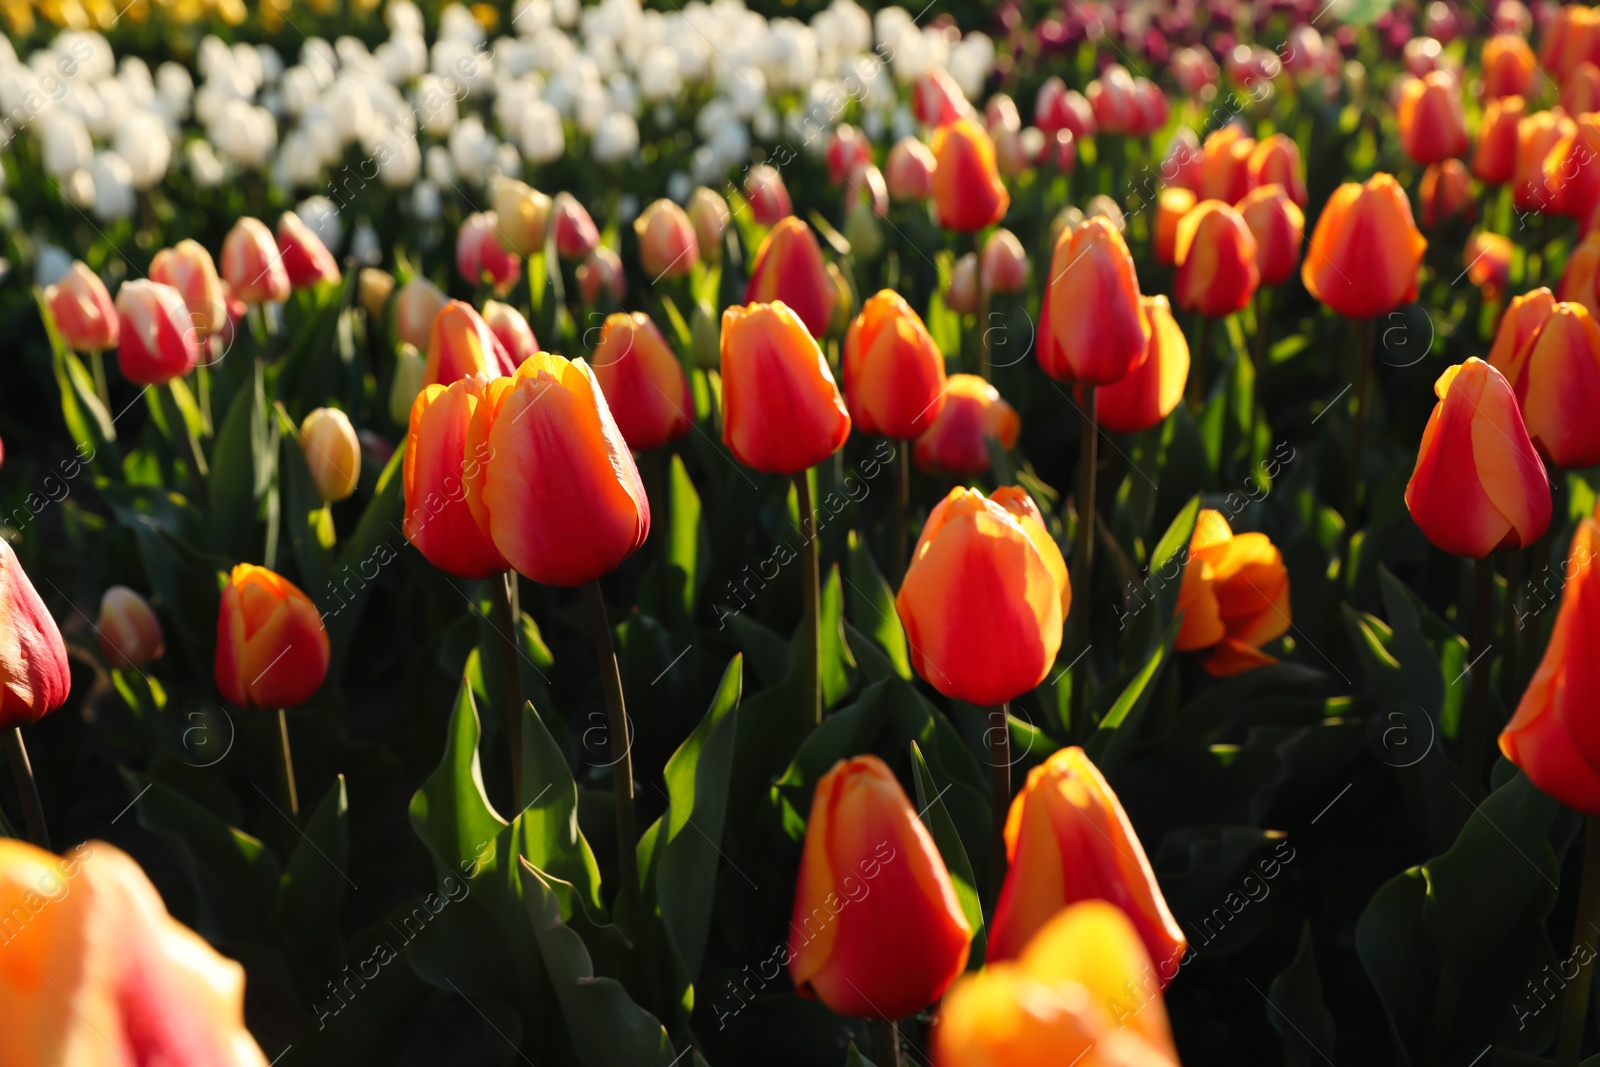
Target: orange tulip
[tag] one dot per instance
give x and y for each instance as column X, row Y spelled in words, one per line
column 1537, row 135
column 1580, row 280
column 1488, row 259
column 272, row 649
column 557, row 491
column 781, row 410
column 985, row 597
column 909, row 170
column 188, row 268
column 436, row 471
column 893, row 372
column 1083, row 992
column 1276, row 161
column 1495, row 160
column 1147, row 394
column 1550, row 353
column 789, row 267
column 1572, row 170
column 34, row 679
column 130, row 633
column 1234, row 597
column 95, row 973
column 1278, row 225
column 461, row 343
column 1580, row 93
column 1508, row 67
column 1432, row 126
column 1216, row 256
column 643, row 382
column 511, row 330
column 305, row 258
column 1068, row 839
column 972, row 415
column 967, row 191
column 876, row 930
column 668, row 247
column 82, row 308
column 1478, row 486
column 1225, row 165
column 1365, row 251
column 1569, row 40
column 1551, row 737
column 1174, row 203
column 415, row 307
column 252, row 265
column 156, row 341
column 1446, row 194
column 1090, row 327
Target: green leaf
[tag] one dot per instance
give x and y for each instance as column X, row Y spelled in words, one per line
column 930, row 803
column 836, row 660
column 88, row 423
column 370, row 547
column 854, row 1058
column 311, row 890
column 1298, row 1013
column 872, row 609
column 243, row 464
column 1117, row 731
column 549, row 816
column 451, row 813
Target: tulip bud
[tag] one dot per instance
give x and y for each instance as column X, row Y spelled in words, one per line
column 480, row 257
column 1368, row 250
column 1478, row 485
column 893, row 372
column 1175, row 202
column 1234, row 597
column 156, row 340
column 460, row 344
column 130, row 633
column 34, row 678
column 558, row 492
column 1276, row 161
column 601, row 272
column 252, row 264
column 895, row 949
column 1278, row 225
column 789, row 267
column 1068, row 840
column 909, row 171
column 1004, row 265
column 972, row 415
column 1580, row 94
column 1580, row 280
column 438, row 465
column 1550, row 356
column 961, row 295
column 1225, row 165
column 409, row 370
column 1488, row 260
column 1508, row 67
column 867, row 187
column 1065, row 151
column 668, row 247
column 306, row 259
column 937, row 98
column 781, row 410
column 82, row 308
column 1432, row 127
column 968, row 194
column 1010, row 153
column 1572, row 171
column 705, row 338
column 511, row 330
column 710, row 215
column 1147, row 394
column 522, row 213
column 189, row 269
column 1090, row 327
column 847, row 149
column 1445, row 194
column 1568, row 40
column 1184, row 162
column 1216, row 255
column 1111, row 96
column 643, row 382
column 1537, row 136
column 1058, row 108
column 767, row 195
column 417, row 305
column 332, row 453
column 1195, row 69
column 1000, row 113
column 576, row 235
column 1495, row 159
column 272, row 649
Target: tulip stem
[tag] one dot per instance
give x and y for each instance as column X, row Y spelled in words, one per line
column 811, row 596
column 291, row 796
column 621, row 757
column 999, row 796
column 505, row 619
column 97, row 362
column 1197, row 366
column 1083, row 555
column 180, row 425
column 1358, row 433
column 1575, row 1005
column 27, row 787
column 1474, row 734
column 885, row 1042
column 902, row 504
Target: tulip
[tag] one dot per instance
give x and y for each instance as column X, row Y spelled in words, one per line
column 34, row 679
column 511, row 330
column 1579, row 280
column 1446, row 194
column 1151, row 107
column 1537, row 135
column 789, row 267
column 1091, row 329
column 437, row 467
column 415, row 307
column 1488, row 259
column 1184, row 162
column 972, row 415
column 522, row 216
column 1550, row 355
column 847, row 149
column 1194, row 69
column 876, row 930
column 557, row 490
column 1000, row 113
column 1432, row 127
column 252, row 264
column 1062, row 150
column 157, row 342
column 967, row 191
column 1225, row 165
column 97, row 972
column 938, row 100
column 1278, row 225
column 272, row 649
column 480, row 257
column 576, row 235
column 1365, row 251
column 868, row 189
column 961, row 294
column 82, row 309
column 1569, row 40
column 1067, row 840
column 1111, row 97
column 1083, row 992
column 668, row 247
column 710, row 216
column 1581, row 93
column 332, row 453
column 1508, row 67
column 601, row 272
column 1478, row 485
column 1174, row 203
column 909, row 170
column 1003, row 267
column 1495, row 160
column 1572, row 170
column 781, row 410
column 893, row 372
column 1234, row 597
column 767, row 195
column 643, row 382
column 189, row 269
column 130, row 633
column 1058, row 108
column 1146, row 395
column 1276, row 161
column 460, row 344
column 1216, row 256
column 306, row 259
column 985, row 598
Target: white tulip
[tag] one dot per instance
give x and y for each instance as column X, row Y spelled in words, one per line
column 472, row 150
column 204, row 166
column 142, row 142
column 507, row 161
column 78, row 188
column 425, row 202
column 435, row 105
column 590, row 105
column 298, row 90
column 542, row 138
column 457, row 24
column 322, row 216
column 114, row 197
column 64, row 142
column 176, row 87
column 134, row 78
column 365, row 247
column 659, row 78
column 746, row 90
column 971, row 63
column 402, row 16
column 531, row 16
column 437, row 165
column 399, row 159
column 247, row 61
column 616, row 138
column 566, row 12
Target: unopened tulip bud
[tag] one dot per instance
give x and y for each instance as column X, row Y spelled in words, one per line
column 480, row 257
column 1509, row 67
column 272, row 649
column 1538, row 135
column 781, row 409
column 1371, row 275
column 252, row 264
column 1549, row 352
column 157, row 341
column 415, row 307
column 668, row 246
column 409, row 369
column 847, row 149
column 305, row 258
column 710, row 215
column 1000, row 113
column 893, row 372
column 1432, row 127
column 85, row 316
column 523, row 213
column 1216, row 254
column 460, row 344
column 332, row 452
column 767, row 195
column 1276, row 161
column 1278, row 225
column 1488, row 260
column 1174, row 203
column 373, row 289
column 189, row 269
column 1581, row 93
column 439, row 464
column 789, row 267
column 34, row 679
column 130, row 633
column 1224, row 170
column 1445, row 194
column 961, row 295
column 967, row 191
column 867, row 186
column 576, row 235
column 643, row 382
column 973, row 414
column 511, row 330
column 909, row 171
column 601, row 272
column 1580, row 280
column 1091, row 328
column 937, row 98
column 1147, row 394
column 1572, row 171
column 1003, row 267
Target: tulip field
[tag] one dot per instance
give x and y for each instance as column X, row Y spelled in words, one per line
column 618, row 534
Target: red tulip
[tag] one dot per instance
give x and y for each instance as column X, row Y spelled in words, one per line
column 481, row 258
column 1216, row 255
column 511, row 330
column 306, row 259
column 1147, row 394
column 34, row 678
column 789, row 267
column 967, row 190
column 972, row 415
column 157, row 342
column 438, row 466
column 460, row 344
column 272, row 649
column 82, row 308
column 576, row 235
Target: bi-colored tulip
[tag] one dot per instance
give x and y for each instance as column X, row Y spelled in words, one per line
column 1278, row 225
column 601, row 272
column 189, row 269
column 557, row 491
column 1366, row 250
column 1091, row 328
column 576, row 235
column 767, row 195
column 909, row 171
column 1572, row 170
column 332, row 453
column 938, row 100
column 668, row 247
column 85, row 316
column 1225, row 165
column 1495, row 159
column 511, row 330
column 1216, row 256
column 96, row 973
column 643, row 382
column 972, row 415
column 252, row 265
column 1445, row 194
column 1067, row 840
column 415, row 307
column 1488, row 260
column 789, row 267
column 522, row 215
column 1478, row 485
column 1173, row 204
column 130, row 633
column 437, row 469
column 272, row 649
column 961, row 294
column 1056, row 107
column 848, row 148
column 480, row 257
column 781, row 409
column 1581, row 92
column 876, row 930
column 460, row 344
column 1147, row 394
column 893, row 372
column 305, row 258
column 1580, row 280
column 710, row 216
column 1432, row 126
column 34, row 679
column 1550, row 354
column 968, row 194
column 1508, row 67
column 1537, row 135
column 1234, row 597
column 985, row 597
column 1276, row 161
column 1113, row 99
column 1003, row 267
column 156, row 342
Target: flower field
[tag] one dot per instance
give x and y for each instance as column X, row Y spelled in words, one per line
column 998, row 535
